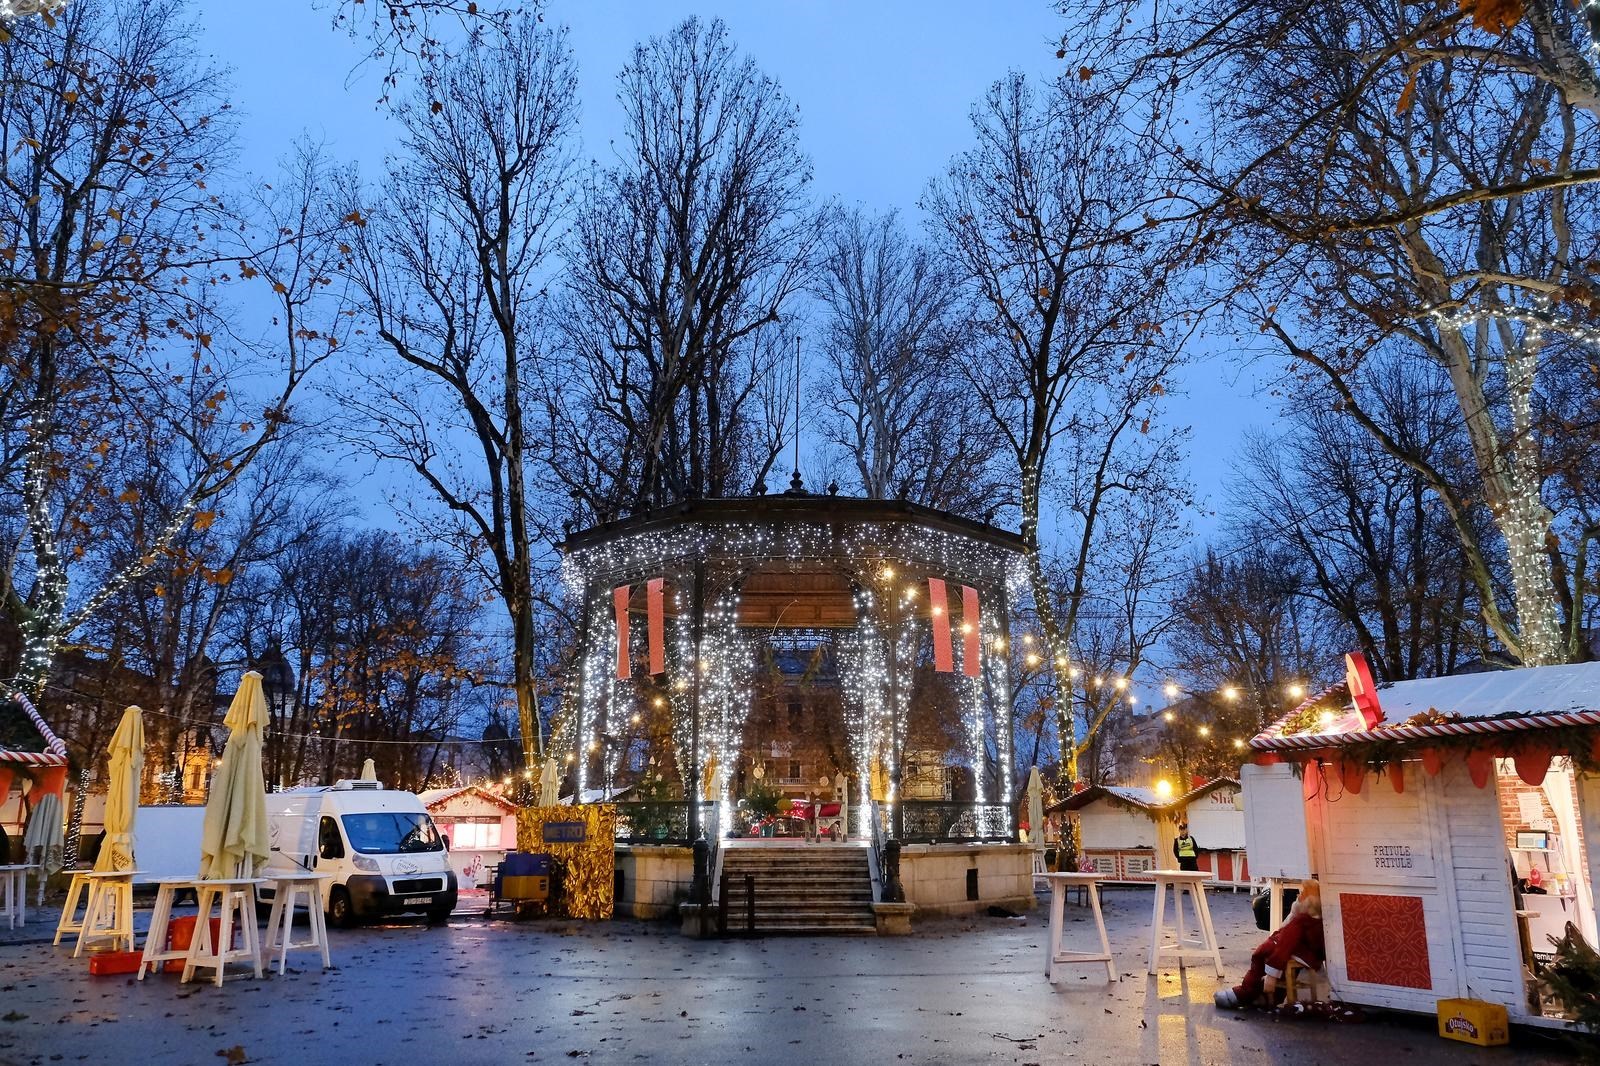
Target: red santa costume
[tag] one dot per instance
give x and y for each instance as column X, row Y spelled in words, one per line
column 1298, row 938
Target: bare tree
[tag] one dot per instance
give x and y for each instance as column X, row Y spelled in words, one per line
column 1403, row 180
column 116, row 255
column 1360, row 537
column 687, row 254
column 450, row 260
column 909, row 424
column 1073, row 360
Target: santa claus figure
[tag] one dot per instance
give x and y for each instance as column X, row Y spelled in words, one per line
column 1299, row 938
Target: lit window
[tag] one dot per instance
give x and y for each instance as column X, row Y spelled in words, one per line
column 479, row 834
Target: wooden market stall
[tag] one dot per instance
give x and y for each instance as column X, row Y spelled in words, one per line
column 479, row 825
column 1451, row 822
column 1127, row 832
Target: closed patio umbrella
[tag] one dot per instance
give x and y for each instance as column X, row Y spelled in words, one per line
column 43, row 842
column 1035, row 808
column 122, row 793
column 234, row 838
column 549, row 784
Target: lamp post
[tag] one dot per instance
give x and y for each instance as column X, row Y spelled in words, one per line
column 277, row 685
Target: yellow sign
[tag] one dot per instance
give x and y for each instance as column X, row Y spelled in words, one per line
column 584, row 868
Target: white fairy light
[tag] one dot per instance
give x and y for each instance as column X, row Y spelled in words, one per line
column 881, row 652
column 1517, row 505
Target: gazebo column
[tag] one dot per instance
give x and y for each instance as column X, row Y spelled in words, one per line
column 697, row 627
column 590, row 685
column 1005, row 724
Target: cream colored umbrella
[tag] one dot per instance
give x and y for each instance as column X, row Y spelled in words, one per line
column 369, row 772
column 234, row 838
column 1035, row 808
column 550, row 784
column 122, row 792
column 44, row 840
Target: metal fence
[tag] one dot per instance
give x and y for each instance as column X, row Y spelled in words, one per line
column 937, row 821
column 662, row 822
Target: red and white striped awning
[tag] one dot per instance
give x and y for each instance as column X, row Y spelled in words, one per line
column 1510, row 701
column 1407, row 733
column 55, row 753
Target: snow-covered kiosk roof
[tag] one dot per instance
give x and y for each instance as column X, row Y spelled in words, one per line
column 1464, row 705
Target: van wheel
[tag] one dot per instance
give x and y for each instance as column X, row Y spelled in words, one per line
column 341, row 912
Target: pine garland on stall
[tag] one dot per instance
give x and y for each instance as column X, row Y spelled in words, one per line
column 1573, row 977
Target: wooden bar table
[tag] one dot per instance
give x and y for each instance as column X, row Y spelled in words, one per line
column 15, row 878
column 236, row 899
column 1181, row 881
column 1059, row 886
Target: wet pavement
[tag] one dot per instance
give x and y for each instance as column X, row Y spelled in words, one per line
column 476, row 991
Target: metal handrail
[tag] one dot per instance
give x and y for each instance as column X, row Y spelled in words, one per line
column 659, row 821
column 936, row 821
column 870, row 811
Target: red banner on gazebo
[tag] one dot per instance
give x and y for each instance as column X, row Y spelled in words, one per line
column 656, row 611
column 943, row 657
column 972, row 632
column 619, row 600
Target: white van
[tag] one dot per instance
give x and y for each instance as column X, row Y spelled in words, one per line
column 384, row 853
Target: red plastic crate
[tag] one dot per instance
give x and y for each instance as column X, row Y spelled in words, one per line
column 107, row 963
column 180, row 934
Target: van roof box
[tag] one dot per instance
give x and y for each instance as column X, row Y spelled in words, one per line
column 354, row 785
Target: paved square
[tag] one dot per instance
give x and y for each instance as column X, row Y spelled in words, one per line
column 961, row 991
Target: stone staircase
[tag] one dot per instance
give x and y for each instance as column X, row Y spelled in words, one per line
column 822, row 889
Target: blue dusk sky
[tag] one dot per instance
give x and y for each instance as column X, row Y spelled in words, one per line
column 884, row 90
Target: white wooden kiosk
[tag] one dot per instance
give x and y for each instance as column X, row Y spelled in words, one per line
column 1126, row 832
column 1415, row 798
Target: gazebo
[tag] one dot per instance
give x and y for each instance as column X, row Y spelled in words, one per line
column 676, row 602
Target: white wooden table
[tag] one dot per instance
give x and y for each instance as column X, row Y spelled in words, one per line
column 109, row 913
column 1059, row 884
column 15, row 881
column 1182, row 945
column 236, row 898
column 156, row 951
column 287, row 889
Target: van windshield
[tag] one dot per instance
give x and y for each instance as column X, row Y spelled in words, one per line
column 391, row 832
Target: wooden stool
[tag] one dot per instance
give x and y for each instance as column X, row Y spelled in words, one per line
column 1039, row 868
column 69, row 923
column 287, row 891
column 1059, row 886
column 235, row 897
column 109, row 913
column 156, row 951
column 1291, row 980
column 1193, row 882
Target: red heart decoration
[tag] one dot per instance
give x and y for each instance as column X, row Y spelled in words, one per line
column 1480, row 764
column 1533, row 762
column 1397, row 776
column 1351, row 773
column 1432, row 761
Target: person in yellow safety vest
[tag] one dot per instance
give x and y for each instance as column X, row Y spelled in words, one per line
column 1185, row 849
